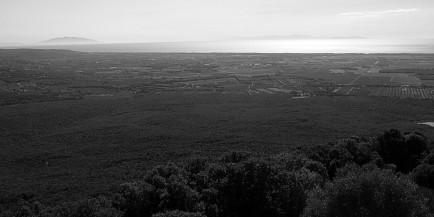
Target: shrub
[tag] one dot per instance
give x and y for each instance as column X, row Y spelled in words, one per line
column 137, row 199
column 259, row 188
column 339, row 157
column 428, row 193
column 423, row 175
column 319, row 153
column 367, row 193
column 359, row 149
column 416, row 143
column 96, row 207
column 235, row 157
column 429, row 159
column 309, row 179
column 318, row 168
column 164, row 188
column 290, row 161
column 403, row 151
column 178, row 213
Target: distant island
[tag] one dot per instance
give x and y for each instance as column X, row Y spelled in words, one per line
column 68, row 40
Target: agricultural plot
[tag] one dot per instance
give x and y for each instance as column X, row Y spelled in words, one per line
column 403, row 92
column 207, row 82
column 342, row 90
column 263, row 90
column 277, row 90
column 359, row 92
column 372, row 80
column 342, row 79
column 427, row 77
column 405, row 79
column 428, row 83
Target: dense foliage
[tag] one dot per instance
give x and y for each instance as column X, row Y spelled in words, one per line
column 353, row 177
column 423, row 174
column 371, row 192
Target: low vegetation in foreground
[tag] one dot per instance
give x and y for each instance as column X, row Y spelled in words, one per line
column 391, row 175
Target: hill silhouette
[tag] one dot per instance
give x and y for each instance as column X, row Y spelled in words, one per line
column 68, row 40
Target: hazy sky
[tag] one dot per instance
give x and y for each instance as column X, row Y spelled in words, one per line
column 31, row 21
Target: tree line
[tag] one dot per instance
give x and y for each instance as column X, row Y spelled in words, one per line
column 390, row 175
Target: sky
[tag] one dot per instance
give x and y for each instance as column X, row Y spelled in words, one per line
column 128, row 21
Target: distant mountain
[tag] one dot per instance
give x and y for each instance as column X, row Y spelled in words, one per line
column 349, row 37
column 68, row 40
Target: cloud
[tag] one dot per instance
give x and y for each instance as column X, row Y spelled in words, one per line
column 379, row 13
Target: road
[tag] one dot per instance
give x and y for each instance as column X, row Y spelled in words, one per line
column 248, row 89
column 282, row 82
column 373, row 69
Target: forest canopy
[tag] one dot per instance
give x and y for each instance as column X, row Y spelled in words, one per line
column 390, row 175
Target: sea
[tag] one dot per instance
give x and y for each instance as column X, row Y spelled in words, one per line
column 425, row 46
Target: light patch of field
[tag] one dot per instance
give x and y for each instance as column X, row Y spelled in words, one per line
column 337, row 71
column 431, row 124
column 99, row 95
column 405, row 79
column 374, row 70
column 280, row 90
column 372, row 80
column 212, row 81
column 343, row 62
column 251, row 72
column 108, row 72
column 428, row 82
column 265, row 91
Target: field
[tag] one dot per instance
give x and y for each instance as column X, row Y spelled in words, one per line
column 404, row 92
column 73, row 128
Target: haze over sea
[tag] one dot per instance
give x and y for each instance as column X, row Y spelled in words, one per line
column 265, row 46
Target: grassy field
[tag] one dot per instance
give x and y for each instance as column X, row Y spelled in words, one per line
column 65, row 150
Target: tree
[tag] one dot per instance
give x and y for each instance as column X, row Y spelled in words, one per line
column 178, row 213
column 423, row 175
column 367, row 193
column 403, row 151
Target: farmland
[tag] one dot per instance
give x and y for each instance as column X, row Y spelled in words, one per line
column 74, row 75
column 79, row 124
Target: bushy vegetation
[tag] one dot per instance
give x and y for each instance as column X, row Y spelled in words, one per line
column 423, row 174
column 95, row 207
column 405, row 151
column 236, row 185
column 353, row 177
column 371, row 192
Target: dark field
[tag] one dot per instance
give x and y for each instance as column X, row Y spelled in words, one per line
column 72, row 149
column 77, row 125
